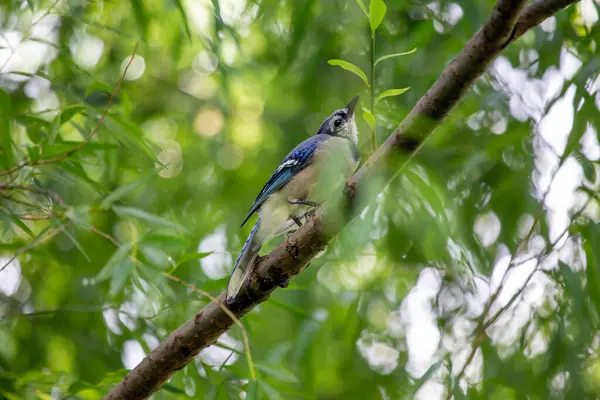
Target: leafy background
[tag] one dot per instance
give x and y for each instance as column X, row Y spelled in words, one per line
column 475, row 274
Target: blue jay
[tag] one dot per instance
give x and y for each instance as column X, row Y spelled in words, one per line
column 307, row 177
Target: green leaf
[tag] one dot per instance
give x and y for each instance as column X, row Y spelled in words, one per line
column 377, row 10
column 34, row 153
column 362, row 7
column 369, row 117
column 97, row 86
column 291, row 309
column 155, row 256
column 146, row 216
column 170, row 388
column 69, row 112
column 54, row 129
column 168, row 243
column 388, row 56
column 278, row 372
column 125, row 189
column 119, row 277
column 252, row 391
column 78, row 171
column 117, row 258
column 391, row 92
column 141, row 16
column 190, row 257
column 591, row 236
column 78, row 386
column 350, row 67
column 113, row 377
column 22, row 225
column 579, row 125
column 129, row 134
column 43, row 396
column 270, row 391
column 77, row 244
column 186, row 26
column 6, row 141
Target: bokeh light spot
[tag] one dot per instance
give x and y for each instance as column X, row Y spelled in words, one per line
column 205, row 63
column 209, row 122
column 87, row 51
column 136, row 69
column 170, row 156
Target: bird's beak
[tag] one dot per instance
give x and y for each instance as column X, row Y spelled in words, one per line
column 352, row 105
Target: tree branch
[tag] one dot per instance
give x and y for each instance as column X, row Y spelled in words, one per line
column 289, row 258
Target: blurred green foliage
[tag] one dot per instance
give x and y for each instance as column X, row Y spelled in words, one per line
column 218, row 92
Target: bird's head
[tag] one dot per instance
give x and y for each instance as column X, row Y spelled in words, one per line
column 341, row 123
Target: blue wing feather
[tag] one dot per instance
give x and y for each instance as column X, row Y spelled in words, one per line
column 302, row 154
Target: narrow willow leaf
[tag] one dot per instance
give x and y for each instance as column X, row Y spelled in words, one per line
column 391, row 92
column 294, row 310
column 70, row 111
column 113, row 262
column 173, row 389
column 377, row 10
column 278, row 372
column 362, row 7
column 190, row 257
column 369, row 117
column 141, row 16
column 125, row 189
column 252, row 391
column 54, row 129
column 129, row 134
column 388, row 56
column 43, row 396
column 77, row 244
column 78, row 171
column 348, row 66
column 146, row 216
column 580, row 125
column 22, row 225
column 34, row 153
column 270, row 391
column 119, row 277
column 184, row 18
column 6, row 140
column 97, row 86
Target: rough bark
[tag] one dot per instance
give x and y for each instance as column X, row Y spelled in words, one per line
column 505, row 25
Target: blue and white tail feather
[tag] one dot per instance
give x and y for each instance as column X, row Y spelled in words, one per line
column 243, row 265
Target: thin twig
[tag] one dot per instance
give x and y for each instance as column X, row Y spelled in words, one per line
column 70, row 152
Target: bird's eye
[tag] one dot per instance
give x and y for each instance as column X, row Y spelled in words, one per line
column 337, row 123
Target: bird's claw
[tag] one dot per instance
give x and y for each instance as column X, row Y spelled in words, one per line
column 291, row 232
column 310, row 215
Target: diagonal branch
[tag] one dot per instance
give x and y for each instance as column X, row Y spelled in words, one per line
column 289, row 258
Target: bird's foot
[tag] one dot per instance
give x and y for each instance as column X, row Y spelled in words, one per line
column 310, row 215
column 290, row 232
